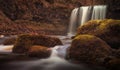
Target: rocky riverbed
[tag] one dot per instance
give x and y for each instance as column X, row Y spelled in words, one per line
column 56, row 61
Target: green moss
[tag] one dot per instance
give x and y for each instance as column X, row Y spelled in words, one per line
column 88, row 48
column 24, row 42
column 109, row 23
column 81, row 36
column 108, row 30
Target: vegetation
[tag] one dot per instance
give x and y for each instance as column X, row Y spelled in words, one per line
column 88, row 48
column 24, row 42
column 108, row 30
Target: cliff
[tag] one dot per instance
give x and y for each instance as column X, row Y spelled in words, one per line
column 49, row 15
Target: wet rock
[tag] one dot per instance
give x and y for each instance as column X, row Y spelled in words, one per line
column 108, row 30
column 114, row 64
column 10, row 41
column 39, row 51
column 24, row 42
column 88, row 48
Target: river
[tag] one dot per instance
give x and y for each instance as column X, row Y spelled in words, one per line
column 56, row 61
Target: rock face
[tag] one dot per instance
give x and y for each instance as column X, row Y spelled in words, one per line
column 49, row 16
column 10, row 41
column 6, row 25
column 42, row 16
column 88, row 48
column 108, row 30
column 23, row 9
column 39, row 51
column 24, row 42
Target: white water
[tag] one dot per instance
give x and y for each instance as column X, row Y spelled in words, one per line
column 59, row 51
column 72, row 26
column 6, row 48
column 55, row 62
column 99, row 12
column 84, row 14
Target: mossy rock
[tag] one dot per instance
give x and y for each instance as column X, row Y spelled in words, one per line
column 88, row 48
column 24, row 42
column 108, row 30
column 39, row 52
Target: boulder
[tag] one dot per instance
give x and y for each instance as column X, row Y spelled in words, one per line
column 24, row 42
column 108, row 30
column 39, row 52
column 88, row 48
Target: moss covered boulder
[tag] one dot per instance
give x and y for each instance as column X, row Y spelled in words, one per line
column 88, row 48
column 24, row 42
column 108, row 30
column 39, row 52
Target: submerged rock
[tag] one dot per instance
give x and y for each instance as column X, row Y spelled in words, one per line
column 88, row 48
column 108, row 30
column 25, row 42
column 39, row 51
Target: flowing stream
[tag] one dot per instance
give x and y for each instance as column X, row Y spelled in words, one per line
column 56, row 61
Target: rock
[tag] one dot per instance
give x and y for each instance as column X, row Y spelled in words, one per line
column 6, row 25
column 10, row 41
column 41, row 16
column 24, row 42
column 39, row 51
column 88, row 48
column 114, row 64
column 108, row 30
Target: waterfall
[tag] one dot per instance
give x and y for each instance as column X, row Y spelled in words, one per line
column 99, row 12
column 72, row 26
column 81, row 15
column 85, row 15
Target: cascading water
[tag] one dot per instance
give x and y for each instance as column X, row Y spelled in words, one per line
column 73, row 18
column 81, row 15
column 85, row 15
column 99, row 12
column 56, row 61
